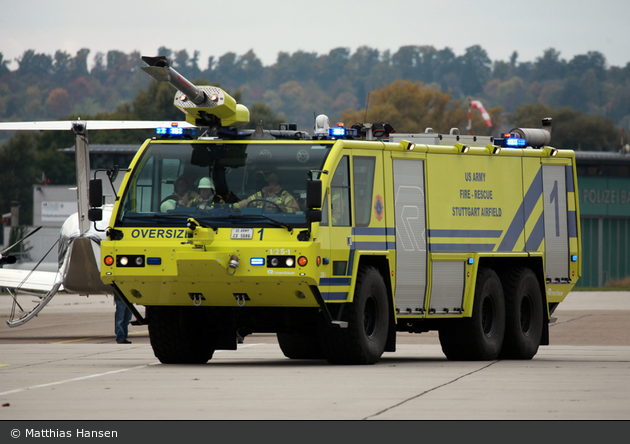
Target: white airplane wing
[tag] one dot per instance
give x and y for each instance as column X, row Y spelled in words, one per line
column 27, row 280
column 42, row 284
column 60, row 125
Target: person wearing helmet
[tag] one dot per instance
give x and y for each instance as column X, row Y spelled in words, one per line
column 206, row 194
column 277, row 197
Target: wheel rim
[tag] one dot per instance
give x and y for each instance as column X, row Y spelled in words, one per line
column 487, row 316
column 526, row 315
column 370, row 317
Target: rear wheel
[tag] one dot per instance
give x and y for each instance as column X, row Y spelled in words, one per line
column 479, row 337
column 363, row 341
column 524, row 315
column 180, row 335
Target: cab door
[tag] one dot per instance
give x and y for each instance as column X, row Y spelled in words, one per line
column 336, row 235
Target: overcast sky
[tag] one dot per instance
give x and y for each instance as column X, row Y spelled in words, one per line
column 268, row 27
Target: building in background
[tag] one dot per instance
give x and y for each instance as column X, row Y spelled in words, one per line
column 604, row 187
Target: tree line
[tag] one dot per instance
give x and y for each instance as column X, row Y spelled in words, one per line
column 414, row 88
column 303, row 83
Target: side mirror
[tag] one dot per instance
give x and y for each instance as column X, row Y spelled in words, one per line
column 313, row 193
column 95, row 214
column 314, row 215
column 96, row 193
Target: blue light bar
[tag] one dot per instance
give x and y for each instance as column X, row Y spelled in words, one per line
column 257, row 261
column 175, row 131
column 471, row 261
column 154, row 261
column 515, row 142
column 574, row 258
column 338, row 131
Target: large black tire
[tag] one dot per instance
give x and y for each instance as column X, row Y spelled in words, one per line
column 363, row 341
column 480, row 337
column 524, row 315
column 180, row 335
column 300, row 345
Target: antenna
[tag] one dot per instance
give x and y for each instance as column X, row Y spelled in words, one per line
column 367, row 105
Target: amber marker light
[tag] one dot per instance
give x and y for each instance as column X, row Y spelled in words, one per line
column 109, row 261
column 302, row 261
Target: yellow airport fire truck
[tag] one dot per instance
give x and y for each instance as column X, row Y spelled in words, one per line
column 337, row 240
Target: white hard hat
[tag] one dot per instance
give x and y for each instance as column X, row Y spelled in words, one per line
column 206, row 182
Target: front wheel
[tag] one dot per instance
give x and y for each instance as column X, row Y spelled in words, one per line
column 480, row 337
column 363, row 341
column 300, row 345
column 180, row 335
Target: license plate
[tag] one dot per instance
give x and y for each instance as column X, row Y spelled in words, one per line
column 242, row 233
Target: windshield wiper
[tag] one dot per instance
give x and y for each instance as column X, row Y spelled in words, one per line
column 275, row 222
column 183, row 216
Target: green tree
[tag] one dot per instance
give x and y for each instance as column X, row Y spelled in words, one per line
column 19, row 172
column 299, row 66
column 571, row 129
column 411, row 107
column 3, row 65
column 549, row 66
column 474, row 69
column 262, row 113
column 331, row 66
column 35, row 65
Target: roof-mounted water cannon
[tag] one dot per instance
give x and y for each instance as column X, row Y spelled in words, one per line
column 203, row 105
column 524, row 137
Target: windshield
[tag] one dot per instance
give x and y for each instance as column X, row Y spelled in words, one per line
column 221, row 184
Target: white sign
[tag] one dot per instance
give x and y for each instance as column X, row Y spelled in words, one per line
column 58, row 211
column 242, row 233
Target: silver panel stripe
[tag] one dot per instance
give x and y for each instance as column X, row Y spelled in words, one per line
column 411, row 239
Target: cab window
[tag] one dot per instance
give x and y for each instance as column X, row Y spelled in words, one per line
column 340, row 194
column 363, row 169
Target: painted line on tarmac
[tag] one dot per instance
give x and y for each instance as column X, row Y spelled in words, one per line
column 81, row 378
column 98, row 337
column 77, row 340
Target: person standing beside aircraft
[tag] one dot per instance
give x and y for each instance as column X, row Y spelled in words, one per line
column 122, row 319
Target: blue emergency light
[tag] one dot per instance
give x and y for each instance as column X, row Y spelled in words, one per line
column 514, row 142
column 340, row 131
column 257, row 261
column 174, row 131
column 510, row 140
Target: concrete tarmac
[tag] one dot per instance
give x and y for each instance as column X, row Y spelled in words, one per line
column 65, row 365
